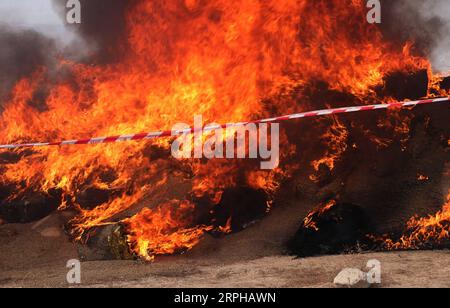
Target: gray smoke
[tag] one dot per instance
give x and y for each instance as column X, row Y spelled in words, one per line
column 21, row 53
column 31, row 36
column 102, row 27
column 426, row 22
column 34, row 33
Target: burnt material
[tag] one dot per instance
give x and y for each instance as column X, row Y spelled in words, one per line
column 338, row 229
column 90, row 198
column 402, row 86
column 242, row 205
column 105, row 243
column 31, row 208
column 445, row 84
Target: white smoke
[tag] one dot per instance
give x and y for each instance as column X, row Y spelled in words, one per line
column 37, row 15
column 427, row 20
column 440, row 54
column 423, row 20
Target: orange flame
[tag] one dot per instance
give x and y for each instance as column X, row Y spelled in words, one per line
column 163, row 231
column 309, row 221
column 220, row 59
column 420, row 232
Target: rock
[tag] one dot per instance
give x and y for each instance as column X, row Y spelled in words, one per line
column 351, row 278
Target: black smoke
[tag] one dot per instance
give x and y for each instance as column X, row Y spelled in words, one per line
column 426, row 23
column 103, row 25
column 100, row 35
column 103, row 29
column 21, row 53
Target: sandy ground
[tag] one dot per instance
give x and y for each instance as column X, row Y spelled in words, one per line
column 411, row 269
column 35, row 255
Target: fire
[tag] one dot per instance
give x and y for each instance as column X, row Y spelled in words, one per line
column 227, row 229
column 422, row 178
column 221, row 59
column 310, row 221
column 424, row 232
column 163, row 231
column 336, row 139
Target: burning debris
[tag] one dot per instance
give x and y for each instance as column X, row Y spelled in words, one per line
column 430, row 232
column 165, row 230
column 166, row 61
column 395, row 196
column 331, row 229
column 32, row 208
column 22, row 53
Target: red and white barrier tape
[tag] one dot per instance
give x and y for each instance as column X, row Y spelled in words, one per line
column 160, row 134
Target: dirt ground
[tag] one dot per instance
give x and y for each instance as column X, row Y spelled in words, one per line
column 35, row 255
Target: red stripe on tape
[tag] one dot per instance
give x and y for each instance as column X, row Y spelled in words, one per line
column 142, row 136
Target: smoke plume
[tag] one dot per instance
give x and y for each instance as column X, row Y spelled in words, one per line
column 424, row 22
column 21, row 53
column 102, row 27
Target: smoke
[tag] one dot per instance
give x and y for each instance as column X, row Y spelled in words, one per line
column 29, row 40
column 21, row 53
column 102, row 27
column 425, row 22
column 31, row 36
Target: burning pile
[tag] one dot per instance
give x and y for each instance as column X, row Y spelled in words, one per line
column 228, row 61
column 430, row 232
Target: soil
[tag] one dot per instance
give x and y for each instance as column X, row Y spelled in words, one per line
column 35, row 255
